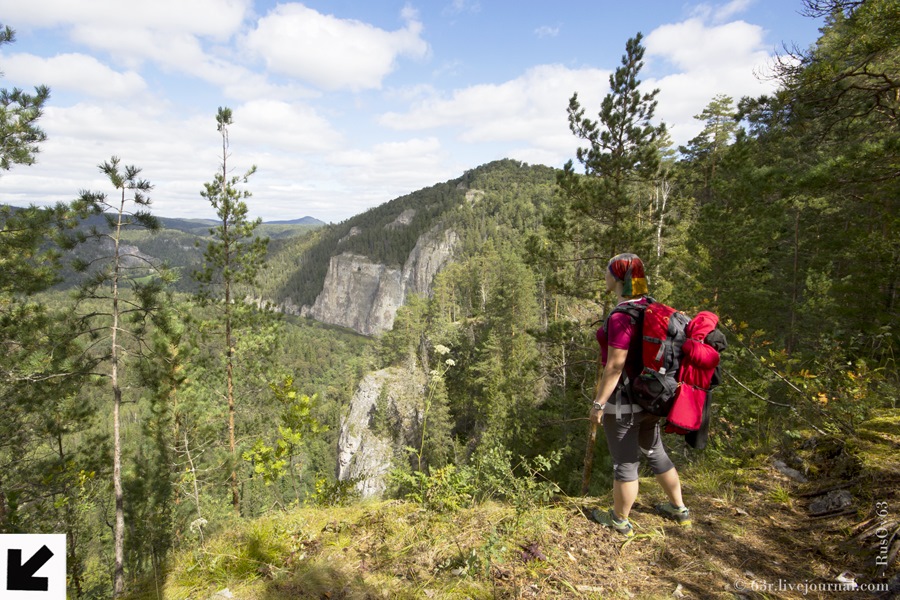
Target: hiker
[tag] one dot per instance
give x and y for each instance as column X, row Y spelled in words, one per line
column 630, row 431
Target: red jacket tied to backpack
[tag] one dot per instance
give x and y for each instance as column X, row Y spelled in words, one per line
column 698, row 364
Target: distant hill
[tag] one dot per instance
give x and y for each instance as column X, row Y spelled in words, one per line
column 300, row 221
column 179, row 243
column 270, row 229
column 195, row 226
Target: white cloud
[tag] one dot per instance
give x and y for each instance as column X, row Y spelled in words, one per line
column 529, row 109
column 390, row 169
column 531, row 98
column 176, row 154
column 527, row 115
column 134, row 44
column 410, row 153
column 692, row 45
column 458, row 7
column 547, row 31
column 284, row 126
column 409, row 13
column 721, row 12
column 215, row 18
column 319, row 153
column 306, row 167
column 708, row 60
column 179, row 52
column 170, row 33
column 332, row 53
column 74, row 72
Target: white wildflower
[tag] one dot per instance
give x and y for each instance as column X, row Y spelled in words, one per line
column 197, row 525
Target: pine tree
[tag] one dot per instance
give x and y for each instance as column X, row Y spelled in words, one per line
column 48, row 460
column 127, row 305
column 600, row 212
column 232, row 258
column 705, row 150
column 19, row 112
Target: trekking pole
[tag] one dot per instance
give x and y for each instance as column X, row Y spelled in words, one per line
column 591, row 442
column 588, row 459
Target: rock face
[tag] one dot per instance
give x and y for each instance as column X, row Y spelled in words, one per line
column 365, row 296
column 383, row 418
column 404, row 219
column 358, row 294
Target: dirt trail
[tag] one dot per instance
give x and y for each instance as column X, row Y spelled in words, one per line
column 761, row 533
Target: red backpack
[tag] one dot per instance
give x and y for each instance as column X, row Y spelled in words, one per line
column 680, row 358
column 662, row 333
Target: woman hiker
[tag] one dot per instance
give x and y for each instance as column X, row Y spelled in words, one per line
column 630, row 431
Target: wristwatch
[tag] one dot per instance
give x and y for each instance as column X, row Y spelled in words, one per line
column 598, row 406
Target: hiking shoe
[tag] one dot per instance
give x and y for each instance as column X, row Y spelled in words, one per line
column 682, row 515
column 608, row 519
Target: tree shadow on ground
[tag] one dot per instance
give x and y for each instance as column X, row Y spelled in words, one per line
column 320, row 580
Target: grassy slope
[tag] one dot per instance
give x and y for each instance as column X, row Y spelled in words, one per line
column 750, row 524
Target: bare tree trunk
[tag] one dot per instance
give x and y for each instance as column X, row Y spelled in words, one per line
column 229, row 342
column 71, row 531
column 119, row 573
column 187, row 450
column 662, row 198
column 229, row 373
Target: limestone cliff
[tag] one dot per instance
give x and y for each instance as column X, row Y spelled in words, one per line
column 383, row 417
column 364, row 295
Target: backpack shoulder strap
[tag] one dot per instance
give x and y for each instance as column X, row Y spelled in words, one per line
column 632, row 309
column 635, row 312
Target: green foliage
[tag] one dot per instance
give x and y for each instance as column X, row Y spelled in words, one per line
column 19, row 113
column 333, row 493
column 54, row 465
column 296, row 422
column 447, row 489
column 30, row 265
column 520, row 482
column 706, row 149
column 795, row 231
column 493, row 474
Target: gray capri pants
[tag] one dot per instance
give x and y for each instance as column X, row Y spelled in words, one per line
column 629, row 437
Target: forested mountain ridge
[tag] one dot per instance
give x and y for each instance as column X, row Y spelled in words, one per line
column 187, row 443
column 409, row 238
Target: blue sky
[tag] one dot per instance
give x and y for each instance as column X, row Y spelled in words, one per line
column 344, row 105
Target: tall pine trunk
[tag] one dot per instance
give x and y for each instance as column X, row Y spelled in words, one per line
column 119, row 533
column 229, row 376
column 229, row 342
column 231, row 259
